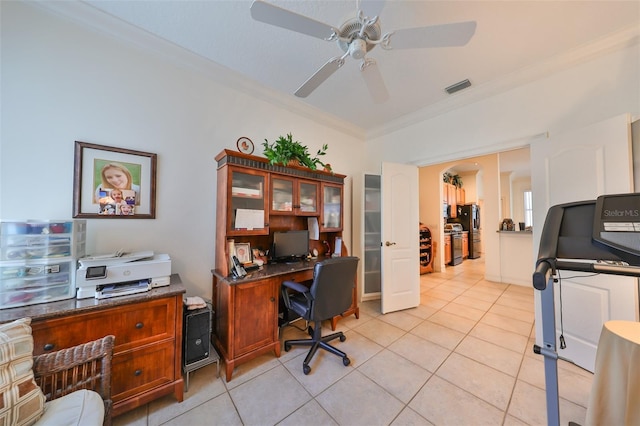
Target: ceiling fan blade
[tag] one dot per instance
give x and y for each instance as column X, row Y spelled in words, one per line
column 274, row 15
column 320, row 76
column 372, row 8
column 445, row 35
column 373, row 80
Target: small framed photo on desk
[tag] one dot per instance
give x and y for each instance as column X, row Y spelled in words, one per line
column 243, row 252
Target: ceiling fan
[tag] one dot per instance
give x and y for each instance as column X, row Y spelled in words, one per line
column 359, row 35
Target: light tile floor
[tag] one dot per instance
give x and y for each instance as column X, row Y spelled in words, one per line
column 463, row 357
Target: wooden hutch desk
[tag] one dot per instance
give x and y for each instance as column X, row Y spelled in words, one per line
column 279, row 199
column 147, row 357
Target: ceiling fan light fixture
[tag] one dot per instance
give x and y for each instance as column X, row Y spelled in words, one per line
column 358, row 48
column 458, row 86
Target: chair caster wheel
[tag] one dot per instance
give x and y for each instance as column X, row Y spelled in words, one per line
column 343, row 337
column 287, row 348
column 346, row 361
column 306, row 369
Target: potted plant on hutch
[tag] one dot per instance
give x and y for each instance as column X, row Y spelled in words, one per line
column 288, row 152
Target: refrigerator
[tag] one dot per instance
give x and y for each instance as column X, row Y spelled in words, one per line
column 469, row 218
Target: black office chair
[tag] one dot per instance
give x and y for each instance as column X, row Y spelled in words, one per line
column 330, row 294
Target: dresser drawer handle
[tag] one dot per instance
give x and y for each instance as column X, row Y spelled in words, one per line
column 139, row 325
column 137, row 372
column 49, row 346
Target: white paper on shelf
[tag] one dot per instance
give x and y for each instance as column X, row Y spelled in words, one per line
column 249, row 219
column 314, row 230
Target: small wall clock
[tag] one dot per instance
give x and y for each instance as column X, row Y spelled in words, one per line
column 245, row 145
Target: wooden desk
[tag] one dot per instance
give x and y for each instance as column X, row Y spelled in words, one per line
column 147, row 356
column 616, row 381
column 246, row 311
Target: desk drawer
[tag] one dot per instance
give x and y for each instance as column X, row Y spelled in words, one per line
column 133, row 325
column 137, row 371
column 298, row 276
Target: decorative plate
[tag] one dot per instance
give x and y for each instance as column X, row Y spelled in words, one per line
column 245, row 145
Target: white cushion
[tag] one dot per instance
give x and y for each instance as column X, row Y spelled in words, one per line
column 79, row 408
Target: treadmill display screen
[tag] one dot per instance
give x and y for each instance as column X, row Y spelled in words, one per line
column 617, row 222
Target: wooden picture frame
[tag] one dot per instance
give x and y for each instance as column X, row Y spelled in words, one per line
column 113, row 183
column 243, row 252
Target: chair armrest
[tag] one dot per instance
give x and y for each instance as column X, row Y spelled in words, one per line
column 86, row 366
column 300, row 288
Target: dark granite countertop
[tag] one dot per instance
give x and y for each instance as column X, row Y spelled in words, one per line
column 76, row 306
column 270, row 270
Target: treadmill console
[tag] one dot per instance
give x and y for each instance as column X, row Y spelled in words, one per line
column 616, row 224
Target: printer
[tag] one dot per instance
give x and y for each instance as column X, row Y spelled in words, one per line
column 119, row 274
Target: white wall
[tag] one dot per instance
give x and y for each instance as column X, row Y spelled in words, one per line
column 586, row 93
column 62, row 83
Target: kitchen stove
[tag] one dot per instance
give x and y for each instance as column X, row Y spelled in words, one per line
column 455, row 230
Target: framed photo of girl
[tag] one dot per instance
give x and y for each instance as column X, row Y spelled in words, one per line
column 113, row 182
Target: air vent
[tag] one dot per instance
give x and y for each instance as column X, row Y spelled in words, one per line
column 458, row 86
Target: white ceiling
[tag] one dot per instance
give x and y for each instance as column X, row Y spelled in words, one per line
column 515, row 42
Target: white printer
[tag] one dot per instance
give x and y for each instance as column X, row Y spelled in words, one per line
column 119, row 274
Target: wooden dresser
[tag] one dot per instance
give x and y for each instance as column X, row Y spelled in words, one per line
column 147, row 358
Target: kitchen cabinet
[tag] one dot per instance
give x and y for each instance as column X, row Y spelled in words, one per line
column 426, row 250
column 451, row 199
column 447, row 249
column 294, row 196
column 460, row 196
column 465, row 244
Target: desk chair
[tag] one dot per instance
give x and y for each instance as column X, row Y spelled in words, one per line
column 330, row 294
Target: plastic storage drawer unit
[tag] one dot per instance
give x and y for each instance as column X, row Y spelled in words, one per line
column 42, row 239
column 38, row 261
column 28, row 283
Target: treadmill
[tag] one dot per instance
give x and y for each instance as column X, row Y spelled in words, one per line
column 601, row 236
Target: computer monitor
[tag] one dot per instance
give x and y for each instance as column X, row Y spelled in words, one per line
column 290, row 245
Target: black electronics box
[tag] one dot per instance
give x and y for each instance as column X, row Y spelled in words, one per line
column 197, row 325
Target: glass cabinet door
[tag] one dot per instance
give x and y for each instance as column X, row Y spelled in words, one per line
column 290, row 196
column 308, row 198
column 331, row 215
column 281, row 195
column 248, row 207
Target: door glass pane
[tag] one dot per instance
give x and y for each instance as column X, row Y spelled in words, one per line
column 308, row 197
column 282, row 195
column 372, row 234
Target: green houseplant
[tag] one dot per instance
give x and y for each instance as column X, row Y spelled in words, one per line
column 286, row 151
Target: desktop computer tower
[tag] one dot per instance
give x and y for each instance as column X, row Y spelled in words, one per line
column 196, row 335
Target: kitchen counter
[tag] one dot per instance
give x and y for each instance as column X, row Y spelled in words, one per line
column 517, row 259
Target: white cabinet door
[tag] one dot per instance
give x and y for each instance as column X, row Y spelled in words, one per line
column 400, row 239
column 580, row 165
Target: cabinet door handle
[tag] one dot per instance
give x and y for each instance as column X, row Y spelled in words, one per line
column 137, row 372
column 139, row 325
column 273, row 299
column 49, row 346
